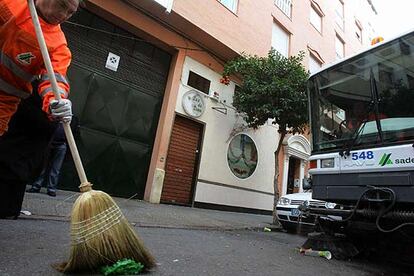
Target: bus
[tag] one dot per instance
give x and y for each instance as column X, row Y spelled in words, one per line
column 362, row 129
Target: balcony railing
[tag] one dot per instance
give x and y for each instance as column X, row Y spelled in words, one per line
column 285, row 6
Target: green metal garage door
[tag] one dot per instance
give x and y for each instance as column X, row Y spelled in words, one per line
column 116, row 112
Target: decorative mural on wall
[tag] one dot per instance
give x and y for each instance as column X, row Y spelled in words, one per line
column 242, row 156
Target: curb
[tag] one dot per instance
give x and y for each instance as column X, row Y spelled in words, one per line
column 161, row 226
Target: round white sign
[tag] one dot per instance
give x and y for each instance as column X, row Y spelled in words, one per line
column 193, row 103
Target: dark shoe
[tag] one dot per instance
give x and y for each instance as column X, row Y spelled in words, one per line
column 8, row 216
column 51, row 193
column 33, row 190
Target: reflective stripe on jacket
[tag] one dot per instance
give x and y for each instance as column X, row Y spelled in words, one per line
column 20, row 57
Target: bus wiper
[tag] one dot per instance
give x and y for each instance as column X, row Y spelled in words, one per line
column 346, row 150
column 374, row 93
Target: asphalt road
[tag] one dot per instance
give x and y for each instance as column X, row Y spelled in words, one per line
column 30, row 246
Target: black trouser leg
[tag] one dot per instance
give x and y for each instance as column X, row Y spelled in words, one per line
column 22, row 152
column 11, row 198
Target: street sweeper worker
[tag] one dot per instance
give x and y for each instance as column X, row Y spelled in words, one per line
column 21, row 65
column 21, row 59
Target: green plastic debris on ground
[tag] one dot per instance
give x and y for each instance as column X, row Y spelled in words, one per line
column 123, row 267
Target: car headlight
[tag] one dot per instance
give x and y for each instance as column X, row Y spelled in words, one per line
column 330, row 205
column 283, row 201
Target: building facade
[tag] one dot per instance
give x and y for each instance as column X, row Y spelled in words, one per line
column 154, row 120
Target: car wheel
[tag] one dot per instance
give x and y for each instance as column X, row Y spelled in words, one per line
column 291, row 228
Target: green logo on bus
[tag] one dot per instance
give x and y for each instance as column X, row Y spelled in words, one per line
column 385, row 160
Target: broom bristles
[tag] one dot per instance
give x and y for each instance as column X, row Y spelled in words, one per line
column 101, row 235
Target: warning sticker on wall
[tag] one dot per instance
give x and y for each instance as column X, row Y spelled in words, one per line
column 112, row 62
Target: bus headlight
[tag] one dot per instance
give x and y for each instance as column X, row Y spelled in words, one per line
column 328, row 163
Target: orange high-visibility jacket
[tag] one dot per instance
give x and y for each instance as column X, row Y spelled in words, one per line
column 21, row 61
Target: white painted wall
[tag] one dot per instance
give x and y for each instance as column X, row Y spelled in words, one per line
column 229, row 196
column 213, row 164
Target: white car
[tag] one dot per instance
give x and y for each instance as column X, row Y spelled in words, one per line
column 290, row 216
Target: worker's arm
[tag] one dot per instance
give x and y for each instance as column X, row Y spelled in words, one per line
column 5, row 13
column 60, row 58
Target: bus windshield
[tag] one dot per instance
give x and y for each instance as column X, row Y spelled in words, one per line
column 366, row 100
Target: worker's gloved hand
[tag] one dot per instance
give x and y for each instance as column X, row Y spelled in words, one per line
column 61, row 110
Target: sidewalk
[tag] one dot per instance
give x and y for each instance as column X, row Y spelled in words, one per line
column 144, row 214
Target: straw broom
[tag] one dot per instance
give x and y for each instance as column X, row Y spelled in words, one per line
column 100, row 234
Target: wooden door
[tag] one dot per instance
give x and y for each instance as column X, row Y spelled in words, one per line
column 182, row 162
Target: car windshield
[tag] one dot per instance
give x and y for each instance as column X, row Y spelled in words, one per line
column 367, row 99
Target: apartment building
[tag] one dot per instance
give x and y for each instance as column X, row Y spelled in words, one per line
column 153, row 120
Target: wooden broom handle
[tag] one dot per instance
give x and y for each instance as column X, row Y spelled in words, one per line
column 85, row 185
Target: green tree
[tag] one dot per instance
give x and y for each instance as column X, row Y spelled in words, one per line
column 273, row 87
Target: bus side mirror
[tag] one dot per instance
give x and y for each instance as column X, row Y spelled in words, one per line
column 307, row 183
